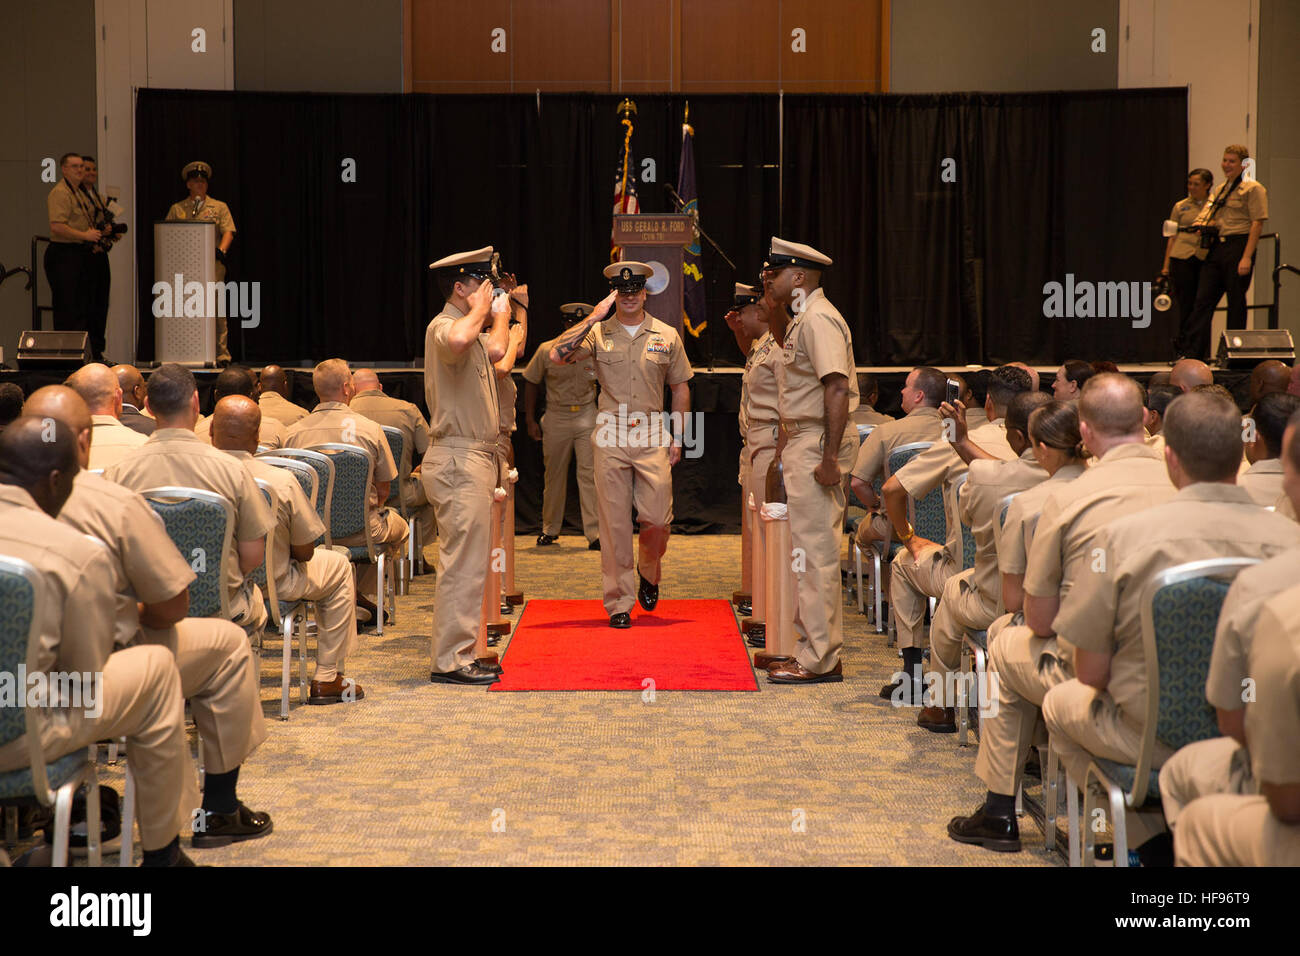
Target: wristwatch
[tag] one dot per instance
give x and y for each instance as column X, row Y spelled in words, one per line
column 908, row 535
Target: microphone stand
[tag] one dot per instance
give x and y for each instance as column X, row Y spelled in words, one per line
column 679, row 205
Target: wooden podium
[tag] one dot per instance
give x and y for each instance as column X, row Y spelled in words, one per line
column 658, row 241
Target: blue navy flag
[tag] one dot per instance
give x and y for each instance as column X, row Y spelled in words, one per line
column 693, row 301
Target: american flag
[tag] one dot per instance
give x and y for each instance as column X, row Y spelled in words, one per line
column 625, row 203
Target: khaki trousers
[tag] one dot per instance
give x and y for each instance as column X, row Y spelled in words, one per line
column 417, row 502
column 1232, row 830
column 961, row 609
column 567, row 434
column 1085, row 723
column 1026, row 668
column 223, row 333
column 140, row 700
column 388, row 531
column 459, row 482
column 1220, row 765
column 816, row 528
column 912, row 583
column 220, row 678
column 627, row 478
column 327, row 580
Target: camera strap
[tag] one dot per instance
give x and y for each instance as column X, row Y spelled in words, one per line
column 1218, row 202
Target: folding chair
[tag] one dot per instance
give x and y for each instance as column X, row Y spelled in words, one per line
column 200, row 524
column 885, row 551
column 286, row 616
column 397, row 445
column 323, row 490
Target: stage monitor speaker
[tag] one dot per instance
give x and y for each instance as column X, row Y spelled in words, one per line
column 39, row 349
column 1246, row 348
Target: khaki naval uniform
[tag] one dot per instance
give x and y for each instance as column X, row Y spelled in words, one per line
column 112, row 441
column 632, row 371
column 335, row 422
column 406, row 418
column 276, row 406
column 866, row 415
column 915, row 580
column 219, row 674
column 459, row 474
column 1022, row 519
column 270, row 434
column 1221, row 765
column 1127, row 479
column 140, row 694
column 325, row 579
column 1232, row 830
column 215, row 211
column 817, row 343
column 922, row 423
column 971, row 600
column 1263, row 480
column 1104, row 612
column 176, row 457
column 567, row 425
column 760, row 416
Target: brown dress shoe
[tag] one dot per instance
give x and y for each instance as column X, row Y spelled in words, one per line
column 765, row 661
column 337, row 691
column 939, row 720
column 796, row 673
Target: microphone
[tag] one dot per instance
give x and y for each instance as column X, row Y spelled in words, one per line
column 678, row 202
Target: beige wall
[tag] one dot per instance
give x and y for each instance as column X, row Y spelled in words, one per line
column 1278, row 145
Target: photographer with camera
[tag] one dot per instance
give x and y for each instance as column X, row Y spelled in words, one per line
column 1181, row 271
column 67, row 257
column 101, row 276
column 1229, row 227
column 199, row 205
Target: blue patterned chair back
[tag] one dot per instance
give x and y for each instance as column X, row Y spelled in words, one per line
column 928, row 518
column 200, row 524
column 258, row 575
column 863, row 432
column 967, row 536
column 901, row 455
column 1179, row 616
column 19, row 585
column 396, row 444
column 352, row 471
column 315, row 474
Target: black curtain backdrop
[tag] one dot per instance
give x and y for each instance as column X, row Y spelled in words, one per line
column 926, row 271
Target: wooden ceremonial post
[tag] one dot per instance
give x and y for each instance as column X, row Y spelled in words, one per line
column 494, row 624
column 779, row 630
column 658, row 241
column 757, row 568
column 511, row 596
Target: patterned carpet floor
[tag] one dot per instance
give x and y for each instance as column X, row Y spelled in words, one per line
column 425, row 774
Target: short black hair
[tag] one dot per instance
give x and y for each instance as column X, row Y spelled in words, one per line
column 1159, row 397
column 933, row 385
column 1078, row 371
column 85, row 158
column 170, row 389
column 1021, row 407
column 31, row 447
column 1006, row 382
column 11, row 402
column 1271, row 414
column 868, row 387
column 65, row 157
column 233, row 380
column 977, row 381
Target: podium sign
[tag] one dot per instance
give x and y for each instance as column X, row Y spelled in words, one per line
column 658, row 241
column 186, row 249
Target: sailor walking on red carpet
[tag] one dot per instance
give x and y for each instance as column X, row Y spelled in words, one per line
column 633, row 446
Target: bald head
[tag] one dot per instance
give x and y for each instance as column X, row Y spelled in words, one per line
column 1269, row 377
column 1293, row 388
column 365, row 379
column 273, row 379
column 39, row 455
column 131, row 382
column 1111, row 406
column 332, row 380
column 62, row 403
column 235, row 423
column 1188, row 373
column 97, row 385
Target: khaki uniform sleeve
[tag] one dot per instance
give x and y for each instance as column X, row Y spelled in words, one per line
column 1012, row 556
column 224, row 221
column 253, row 519
column 1224, row 682
column 824, row 343
column 1273, row 720
column 59, row 206
column 385, row 467
column 871, row 458
column 88, row 617
column 441, row 334
column 305, row 526
column 1257, row 203
column 156, row 570
column 419, row 434
column 1045, row 567
column 535, row 370
column 1087, row 615
column 174, row 213
column 679, row 368
column 277, row 435
column 926, row 471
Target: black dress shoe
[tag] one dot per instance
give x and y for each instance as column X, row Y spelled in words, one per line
column 490, row 665
column 620, row 620
column 223, row 829
column 745, row 610
column 757, row 636
column 648, row 594
column 594, row 546
column 469, row 674
column 982, row 829
column 544, row 539
column 901, row 690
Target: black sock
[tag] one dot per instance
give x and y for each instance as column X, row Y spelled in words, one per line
column 219, row 792
column 1158, row 851
column 165, row 856
column 1000, row 805
column 913, row 667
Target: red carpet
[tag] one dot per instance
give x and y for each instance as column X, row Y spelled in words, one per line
column 683, row 645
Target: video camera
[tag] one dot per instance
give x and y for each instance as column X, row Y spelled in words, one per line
column 110, row 230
